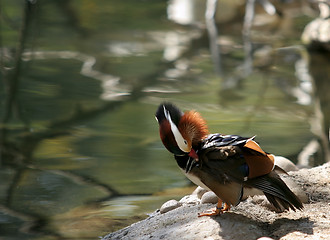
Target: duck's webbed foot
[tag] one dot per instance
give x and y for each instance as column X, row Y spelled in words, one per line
column 219, row 209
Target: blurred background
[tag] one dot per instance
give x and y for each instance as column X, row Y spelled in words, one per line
column 80, row 154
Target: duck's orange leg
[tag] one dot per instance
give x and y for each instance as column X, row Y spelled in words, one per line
column 217, row 210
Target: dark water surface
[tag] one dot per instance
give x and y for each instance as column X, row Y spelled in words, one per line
column 81, row 80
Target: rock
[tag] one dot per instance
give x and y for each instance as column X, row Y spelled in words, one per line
column 199, row 191
column 262, row 201
column 209, row 197
column 251, row 219
column 190, row 199
column 247, row 192
column 285, row 164
column 295, row 188
column 169, row 205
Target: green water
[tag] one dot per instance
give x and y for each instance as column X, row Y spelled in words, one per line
column 80, row 83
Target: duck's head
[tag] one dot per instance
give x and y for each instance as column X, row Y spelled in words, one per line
column 180, row 131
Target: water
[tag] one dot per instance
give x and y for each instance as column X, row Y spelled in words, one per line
column 80, row 151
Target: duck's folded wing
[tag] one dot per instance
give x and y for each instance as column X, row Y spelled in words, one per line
column 259, row 162
column 227, row 161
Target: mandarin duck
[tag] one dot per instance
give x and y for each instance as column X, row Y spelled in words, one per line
column 228, row 165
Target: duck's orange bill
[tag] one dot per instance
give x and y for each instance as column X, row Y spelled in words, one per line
column 193, row 154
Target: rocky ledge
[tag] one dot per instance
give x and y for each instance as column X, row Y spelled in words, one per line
column 251, row 219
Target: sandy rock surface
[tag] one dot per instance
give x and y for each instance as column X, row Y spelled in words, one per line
column 251, row 219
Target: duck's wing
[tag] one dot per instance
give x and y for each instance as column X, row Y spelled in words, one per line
column 258, row 161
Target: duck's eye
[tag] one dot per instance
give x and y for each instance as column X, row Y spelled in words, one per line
column 185, row 142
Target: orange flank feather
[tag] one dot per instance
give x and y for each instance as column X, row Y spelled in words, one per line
column 254, row 146
column 259, row 162
column 193, row 126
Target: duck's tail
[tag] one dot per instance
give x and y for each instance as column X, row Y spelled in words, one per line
column 276, row 191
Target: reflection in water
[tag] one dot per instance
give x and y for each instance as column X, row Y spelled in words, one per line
column 211, row 6
column 320, row 122
column 199, row 13
column 110, row 84
column 305, row 93
column 250, row 13
column 303, row 90
column 175, row 43
column 18, row 155
column 79, row 146
column 186, row 11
